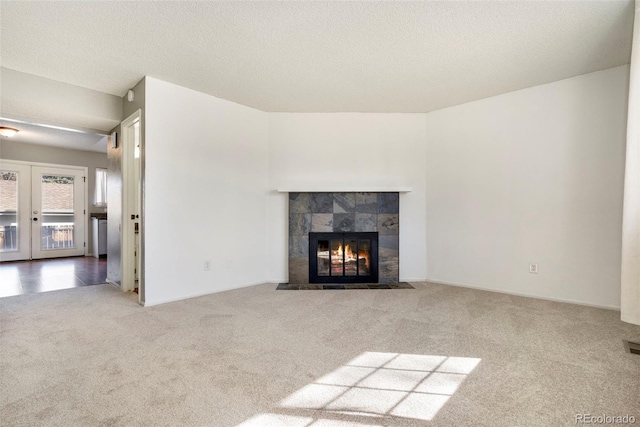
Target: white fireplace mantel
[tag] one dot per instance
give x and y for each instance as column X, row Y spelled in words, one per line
column 343, row 189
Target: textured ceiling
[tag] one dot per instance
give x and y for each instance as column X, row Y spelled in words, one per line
column 54, row 137
column 319, row 56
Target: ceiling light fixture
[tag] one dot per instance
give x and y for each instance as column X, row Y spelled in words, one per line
column 7, row 132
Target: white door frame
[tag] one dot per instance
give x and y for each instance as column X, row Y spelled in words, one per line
column 85, row 171
column 131, row 196
column 80, row 211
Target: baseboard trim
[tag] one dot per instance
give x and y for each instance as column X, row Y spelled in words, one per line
column 112, row 282
column 522, row 294
column 421, row 279
column 197, row 294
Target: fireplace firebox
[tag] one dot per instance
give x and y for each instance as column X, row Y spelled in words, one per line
column 343, row 257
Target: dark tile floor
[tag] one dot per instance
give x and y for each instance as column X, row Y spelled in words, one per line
column 348, row 286
column 27, row 277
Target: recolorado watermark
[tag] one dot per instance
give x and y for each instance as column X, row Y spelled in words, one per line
column 605, row 419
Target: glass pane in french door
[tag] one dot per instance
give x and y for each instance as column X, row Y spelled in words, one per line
column 8, row 211
column 15, row 186
column 57, row 212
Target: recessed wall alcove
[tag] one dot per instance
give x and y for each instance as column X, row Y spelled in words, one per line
column 344, row 212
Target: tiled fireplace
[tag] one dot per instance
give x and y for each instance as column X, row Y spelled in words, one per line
column 359, row 220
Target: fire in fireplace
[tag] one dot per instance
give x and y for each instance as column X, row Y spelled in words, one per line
column 343, row 257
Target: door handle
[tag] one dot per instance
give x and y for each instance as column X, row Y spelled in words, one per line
column 35, row 219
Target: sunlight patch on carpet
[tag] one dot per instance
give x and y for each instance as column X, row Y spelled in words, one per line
column 375, row 384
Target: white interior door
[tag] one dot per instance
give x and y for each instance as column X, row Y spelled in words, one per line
column 131, row 203
column 57, row 212
column 15, row 217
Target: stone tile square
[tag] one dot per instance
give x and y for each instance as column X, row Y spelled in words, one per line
column 389, row 203
column 298, row 247
column 322, row 222
column 389, row 242
column 287, row 287
column 333, row 287
column 356, row 286
column 344, row 222
column 379, row 286
column 367, row 202
column 299, row 271
column 404, row 285
column 388, row 270
column 310, row 287
column 366, row 222
column 388, row 224
column 344, row 202
column 321, row 202
column 299, row 224
column 299, row 203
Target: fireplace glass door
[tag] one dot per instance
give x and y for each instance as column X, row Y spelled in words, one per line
column 343, row 257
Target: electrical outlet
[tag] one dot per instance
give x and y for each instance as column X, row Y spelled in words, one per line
column 207, row 265
column 533, row 267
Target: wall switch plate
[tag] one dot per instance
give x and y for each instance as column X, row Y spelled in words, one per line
column 207, row 265
column 533, row 268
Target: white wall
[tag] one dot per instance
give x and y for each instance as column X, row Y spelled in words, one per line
column 531, row 176
column 205, row 193
column 349, row 150
column 630, row 274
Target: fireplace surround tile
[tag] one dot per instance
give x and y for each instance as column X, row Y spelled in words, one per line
column 321, row 202
column 298, row 247
column 388, row 269
column 299, row 224
column 366, row 202
column 344, row 222
column 322, row 222
column 366, row 222
column 299, row 270
column 344, row 212
column 389, row 242
column 389, row 203
column 388, row 224
column 344, row 202
column 299, row 202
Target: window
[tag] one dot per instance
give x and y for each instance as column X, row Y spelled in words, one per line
column 100, row 192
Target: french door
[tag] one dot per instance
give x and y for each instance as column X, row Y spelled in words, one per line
column 42, row 211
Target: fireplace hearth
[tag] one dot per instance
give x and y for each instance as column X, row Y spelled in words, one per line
column 343, row 257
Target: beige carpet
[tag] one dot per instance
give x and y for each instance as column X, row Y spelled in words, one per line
column 436, row 355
